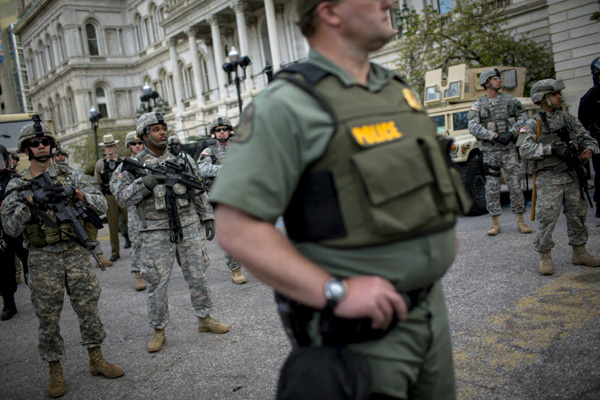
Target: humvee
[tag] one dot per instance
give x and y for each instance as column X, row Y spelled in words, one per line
column 448, row 99
column 10, row 125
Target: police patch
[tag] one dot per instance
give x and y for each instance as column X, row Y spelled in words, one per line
column 411, row 99
column 245, row 129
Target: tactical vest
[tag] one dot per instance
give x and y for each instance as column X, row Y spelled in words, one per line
column 220, row 152
column 109, row 167
column 494, row 115
column 40, row 234
column 547, row 138
column 155, row 207
column 384, row 175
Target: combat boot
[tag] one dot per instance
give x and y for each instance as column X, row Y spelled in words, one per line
column 521, row 224
column 238, row 277
column 139, row 281
column 56, row 383
column 495, row 229
column 127, row 242
column 10, row 308
column 104, row 261
column 582, row 257
column 208, row 324
column 157, row 341
column 99, row 365
column 546, row 263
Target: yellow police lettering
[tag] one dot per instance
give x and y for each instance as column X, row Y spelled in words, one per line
column 376, row 133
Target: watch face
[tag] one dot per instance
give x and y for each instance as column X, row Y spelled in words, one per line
column 335, row 290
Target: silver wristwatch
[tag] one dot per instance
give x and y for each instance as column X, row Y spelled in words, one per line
column 335, row 291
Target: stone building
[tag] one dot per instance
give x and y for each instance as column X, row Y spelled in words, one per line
column 102, row 53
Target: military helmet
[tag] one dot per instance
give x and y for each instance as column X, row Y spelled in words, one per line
column 147, row 120
column 59, row 150
column 487, row 74
column 544, row 87
column 4, row 158
column 595, row 66
column 33, row 130
column 220, row 121
column 131, row 137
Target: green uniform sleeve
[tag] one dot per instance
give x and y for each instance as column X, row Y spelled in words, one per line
column 282, row 131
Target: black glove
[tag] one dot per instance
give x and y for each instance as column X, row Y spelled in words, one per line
column 61, row 192
column 505, row 138
column 152, row 180
column 45, row 194
column 209, row 228
column 561, row 151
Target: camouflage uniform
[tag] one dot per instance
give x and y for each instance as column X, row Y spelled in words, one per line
column 133, row 226
column 158, row 253
column 556, row 190
column 210, row 169
column 53, row 265
column 489, row 117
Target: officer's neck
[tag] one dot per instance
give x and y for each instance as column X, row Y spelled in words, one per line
column 38, row 167
column 159, row 151
column 492, row 93
column 113, row 156
column 547, row 108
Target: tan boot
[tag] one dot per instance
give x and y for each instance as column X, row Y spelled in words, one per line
column 99, row 365
column 104, row 261
column 157, row 341
column 521, row 224
column 546, row 263
column 495, row 229
column 139, row 281
column 238, row 277
column 208, row 324
column 56, row 383
column 582, row 257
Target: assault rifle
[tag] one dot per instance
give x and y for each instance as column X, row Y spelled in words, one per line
column 64, row 211
column 572, row 162
column 174, row 171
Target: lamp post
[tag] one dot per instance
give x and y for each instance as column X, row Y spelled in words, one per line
column 403, row 17
column 232, row 66
column 94, row 118
column 158, row 104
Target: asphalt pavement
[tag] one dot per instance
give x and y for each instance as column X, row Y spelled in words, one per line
column 516, row 334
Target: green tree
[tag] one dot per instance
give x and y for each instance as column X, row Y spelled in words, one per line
column 473, row 33
column 84, row 154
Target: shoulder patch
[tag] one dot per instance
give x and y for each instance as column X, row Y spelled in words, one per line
column 245, row 129
column 411, row 99
column 523, row 129
column 474, row 107
column 206, row 152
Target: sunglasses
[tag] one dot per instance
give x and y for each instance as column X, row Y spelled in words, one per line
column 221, row 129
column 136, row 143
column 36, row 142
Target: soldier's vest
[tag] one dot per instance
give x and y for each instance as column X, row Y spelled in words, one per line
column 546, row 138
column 495, row 115
column 220, row 152
column 155, row 207
column 384, row 175
column 39, row 234
column 109, row 168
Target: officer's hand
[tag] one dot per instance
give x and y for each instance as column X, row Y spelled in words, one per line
column 61, row 192
column 150, row 181
column 561, row 151
column 209, row 229
column 586, row 154
column 505, row 138
column 372, row 297
column 43, row 195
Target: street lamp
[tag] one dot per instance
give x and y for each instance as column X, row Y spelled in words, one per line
column 234, row 61
column 94, row 118
column 158, row 104
column 403, row 17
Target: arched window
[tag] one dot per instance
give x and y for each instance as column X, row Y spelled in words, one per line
column 70, row 104
column 92, row 39
column 41, row 59
column 188, row 80
column 60, row 43
column 30, row 63
column 139, row 34
column 102, row 101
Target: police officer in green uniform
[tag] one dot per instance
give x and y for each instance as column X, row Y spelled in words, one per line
column 343, row 149
column 102, row 172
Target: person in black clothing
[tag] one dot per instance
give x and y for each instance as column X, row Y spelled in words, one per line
column 9, row 246
column 589, row 115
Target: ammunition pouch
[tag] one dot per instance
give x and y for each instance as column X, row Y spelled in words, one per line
column 489, row 170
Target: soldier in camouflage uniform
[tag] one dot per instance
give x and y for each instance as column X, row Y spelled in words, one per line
column 556, row 190
column 495, row 119
column 148, row 194
column 135, row 145
column 210, row 163
column 56, row 262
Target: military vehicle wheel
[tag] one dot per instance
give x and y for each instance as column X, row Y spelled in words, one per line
column 474, row 182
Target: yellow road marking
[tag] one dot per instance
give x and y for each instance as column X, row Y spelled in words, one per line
column 103, row 238
column 514, row 338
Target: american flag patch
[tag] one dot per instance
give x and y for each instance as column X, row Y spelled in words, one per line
column 121, row 175
column 523, row 129
column 474, row 107
column 205, row 152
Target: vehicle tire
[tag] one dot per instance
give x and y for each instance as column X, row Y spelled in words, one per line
column 474, row 182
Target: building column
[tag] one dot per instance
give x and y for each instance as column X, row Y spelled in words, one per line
column 273, row 38
column 240, row 20
column 218, row 52
column 176, row 74
column 196, row 66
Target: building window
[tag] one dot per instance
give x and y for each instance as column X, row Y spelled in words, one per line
column 444, row 6
column 92, row 39
column 102, row 102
